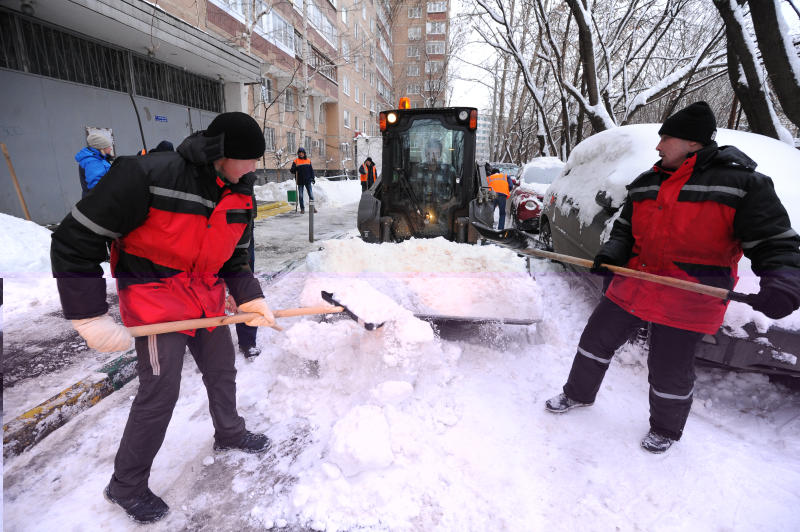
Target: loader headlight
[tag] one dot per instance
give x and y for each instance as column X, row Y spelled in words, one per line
column 463, row 115
column 391, row 118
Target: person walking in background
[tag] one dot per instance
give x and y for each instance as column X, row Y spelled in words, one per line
column 501, row 184
column 179, row 224
column 93, row 161
column 690, row 217
column 304, row 174
column 367, row 174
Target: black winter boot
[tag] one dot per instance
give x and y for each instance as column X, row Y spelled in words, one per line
column 250, row 352
column 144, row 508
column 656, row 443
column 561, row 403
column 250, row 442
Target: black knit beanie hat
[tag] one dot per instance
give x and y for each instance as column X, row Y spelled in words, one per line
column 243, row 136
column 695, row 122
column 301, row 150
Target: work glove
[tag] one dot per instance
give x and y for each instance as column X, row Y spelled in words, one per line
column 773, row 302
column 259, row 306
column 103, row 333
column 597, row 267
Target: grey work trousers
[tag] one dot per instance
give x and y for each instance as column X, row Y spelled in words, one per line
column 160, row 362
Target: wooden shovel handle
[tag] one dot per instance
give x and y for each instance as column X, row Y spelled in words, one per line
column 218, row 321
column 698, row 288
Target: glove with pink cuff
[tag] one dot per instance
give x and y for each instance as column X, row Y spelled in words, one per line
column 103, row 333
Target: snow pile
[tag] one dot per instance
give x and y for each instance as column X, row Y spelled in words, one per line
column 25, row 267
column 326, row 193
column 434, row 276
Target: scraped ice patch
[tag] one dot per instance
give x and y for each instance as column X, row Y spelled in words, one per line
column 361, row 441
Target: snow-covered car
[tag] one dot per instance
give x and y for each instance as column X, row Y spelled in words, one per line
column 526, row 199
column 581, row 205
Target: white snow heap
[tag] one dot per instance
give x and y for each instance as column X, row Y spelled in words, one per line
column 361, row 441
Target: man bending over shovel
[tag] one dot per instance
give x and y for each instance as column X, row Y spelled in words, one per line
column 179, row 228
column 690, row 217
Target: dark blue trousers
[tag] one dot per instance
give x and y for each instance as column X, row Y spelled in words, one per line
column 245, row 333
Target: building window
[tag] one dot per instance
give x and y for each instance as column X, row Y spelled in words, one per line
column 435, row 47
column 307, row 145
column 269, row 137
column 321, row 145
column 437, row 7
column 433, row 85
column 344, row 16
column 432, row 67
column 266, row 90
column 412, row 70
column 355, row 123
column 355, row 31
column 412, row 89
column 291, row 143
column 434, row 28
column 414, row 33
column 346, row 85
column 414, row 12
column 289, row 100
column 412, row 50
column 347, row 118
column 356, row 95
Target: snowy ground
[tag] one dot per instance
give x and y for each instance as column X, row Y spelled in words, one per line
column 401, row 429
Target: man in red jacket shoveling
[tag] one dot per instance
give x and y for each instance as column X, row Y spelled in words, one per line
column 690, row 217
column 179, row 227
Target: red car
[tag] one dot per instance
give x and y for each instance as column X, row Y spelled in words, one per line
column 527, row 199
column 526, row 206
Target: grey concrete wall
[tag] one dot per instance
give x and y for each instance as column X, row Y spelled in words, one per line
column 43, row 123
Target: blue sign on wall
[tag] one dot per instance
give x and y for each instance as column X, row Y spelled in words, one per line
column 160, row 118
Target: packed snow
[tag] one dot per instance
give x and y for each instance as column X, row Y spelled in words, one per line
column 412, row 426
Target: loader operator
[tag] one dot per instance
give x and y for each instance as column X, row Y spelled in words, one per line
column 690, row 217
column 435, row 178
column 179, row 225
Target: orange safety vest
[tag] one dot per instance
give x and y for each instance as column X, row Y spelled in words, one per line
column 498, row 183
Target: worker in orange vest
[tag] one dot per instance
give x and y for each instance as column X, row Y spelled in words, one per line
column 501, row 185
column 367, row 174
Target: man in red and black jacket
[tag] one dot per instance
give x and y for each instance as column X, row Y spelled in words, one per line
column 179, row 227
column 690, row 217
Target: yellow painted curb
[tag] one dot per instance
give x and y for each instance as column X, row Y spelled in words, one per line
column 28, row 429
column 273, row 208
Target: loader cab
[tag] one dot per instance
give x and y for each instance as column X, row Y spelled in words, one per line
column 428, row 178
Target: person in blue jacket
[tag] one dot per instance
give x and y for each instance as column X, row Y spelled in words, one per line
column 93, row 161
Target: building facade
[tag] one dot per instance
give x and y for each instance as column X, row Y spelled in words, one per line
column 421, row 31
column 313, row 73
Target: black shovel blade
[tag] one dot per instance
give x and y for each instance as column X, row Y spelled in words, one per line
column 328, row 297
column 510, row 238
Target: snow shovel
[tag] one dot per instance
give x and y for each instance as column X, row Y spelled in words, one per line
column 218, row 321
column 437, row 319
column 516, row 240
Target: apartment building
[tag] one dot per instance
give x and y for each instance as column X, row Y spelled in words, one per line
column 365, row 75
column 421, row 32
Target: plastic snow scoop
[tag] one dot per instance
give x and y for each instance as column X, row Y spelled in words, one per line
column 218, row 321
column 438, row 319
column 518, row 241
